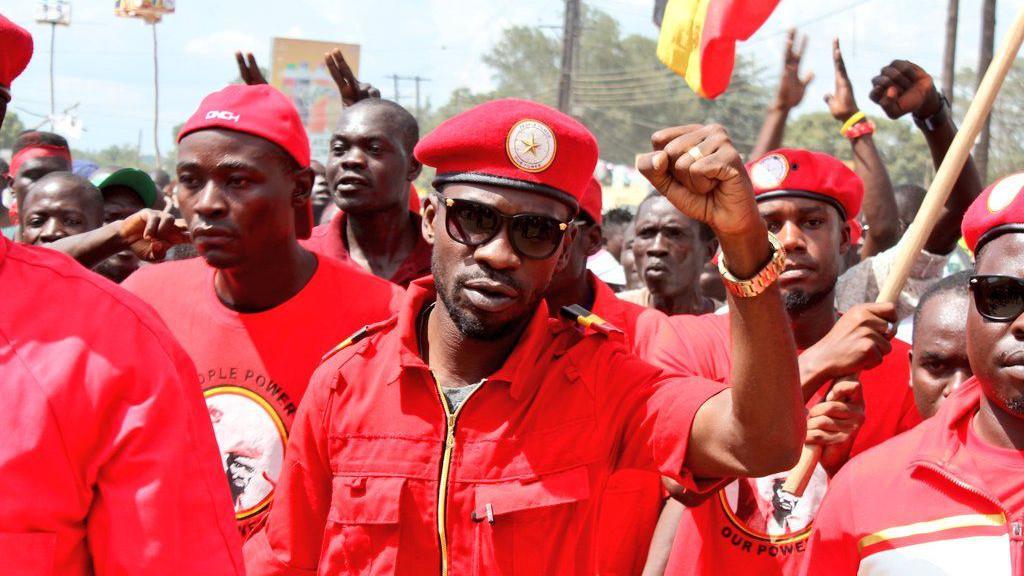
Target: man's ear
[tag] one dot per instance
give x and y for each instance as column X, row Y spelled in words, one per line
column 710, row 247
column 430, row 212
column 593, row 240
column 844, row 238
column 303, row 189
column 415, row 167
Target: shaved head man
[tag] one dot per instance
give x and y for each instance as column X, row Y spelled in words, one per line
column 59, row 205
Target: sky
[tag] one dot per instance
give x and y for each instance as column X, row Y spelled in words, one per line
column 105, row 64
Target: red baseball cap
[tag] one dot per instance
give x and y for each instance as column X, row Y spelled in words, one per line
column 260, row 110
column 15, row 55
column 590, row 204
column 998, row 210
column 792, row 172
column 263, row 111
column 513, row 143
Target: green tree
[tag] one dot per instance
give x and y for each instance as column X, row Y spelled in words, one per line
column 12, row 127
column 123, row 155
column 620, row 89
column 1006, row 151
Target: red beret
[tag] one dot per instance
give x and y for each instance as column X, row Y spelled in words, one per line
column 998, row 210
column 856, row 231
column 260, row 110
column 15, row 52
column 516, row 144
column 789, row 172
column 591, row 201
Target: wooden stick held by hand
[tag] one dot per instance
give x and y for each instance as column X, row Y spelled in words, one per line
column 918, row 233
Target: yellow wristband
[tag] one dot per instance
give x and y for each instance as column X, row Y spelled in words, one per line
column 857, row 117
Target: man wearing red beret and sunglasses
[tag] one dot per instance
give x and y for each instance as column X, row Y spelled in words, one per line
column 475, row 434
column 948, row 496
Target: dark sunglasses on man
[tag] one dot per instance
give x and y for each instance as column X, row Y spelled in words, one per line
column 473, row 224
column 998, row 298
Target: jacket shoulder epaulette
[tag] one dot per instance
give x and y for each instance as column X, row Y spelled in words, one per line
column 361, row 334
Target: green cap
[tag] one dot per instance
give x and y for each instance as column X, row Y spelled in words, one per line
column 133, row 178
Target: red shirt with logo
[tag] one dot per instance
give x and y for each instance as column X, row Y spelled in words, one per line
column 254, row 367
column 381, row 478
column 329, row 240
column 108, row 463
column 751, row 526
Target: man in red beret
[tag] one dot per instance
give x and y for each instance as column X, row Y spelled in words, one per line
column 370, row 169
column 948, row 496
column 106, row 438
column 807, row 199
column 448, row 439
column 257, row 311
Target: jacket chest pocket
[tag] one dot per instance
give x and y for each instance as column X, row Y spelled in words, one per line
column 531, row 527
column 28, row 554
column 362, row 533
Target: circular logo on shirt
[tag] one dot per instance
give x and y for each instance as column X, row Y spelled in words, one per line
column 1005, row 192
column 761, row 509
column 531, row 145
column 769, row 172
column 251, row 437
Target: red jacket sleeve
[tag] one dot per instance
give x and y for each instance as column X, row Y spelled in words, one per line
column 161, row 504
column 655, row 411
column 833, row 541
column 290, row 542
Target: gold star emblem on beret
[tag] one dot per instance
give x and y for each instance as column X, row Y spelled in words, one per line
column 531, row 145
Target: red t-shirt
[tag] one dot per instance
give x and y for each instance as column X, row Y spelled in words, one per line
column 329, row 240
column 749, row 527
column 1002, row 472
column 254, row 368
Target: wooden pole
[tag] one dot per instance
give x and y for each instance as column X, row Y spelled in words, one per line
column 918, row 233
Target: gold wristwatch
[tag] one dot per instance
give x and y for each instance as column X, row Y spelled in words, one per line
column 762, row 280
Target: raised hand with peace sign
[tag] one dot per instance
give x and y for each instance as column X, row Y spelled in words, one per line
column 351, row 89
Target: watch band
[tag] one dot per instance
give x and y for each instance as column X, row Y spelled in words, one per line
column 931, row 123
column 762, row 280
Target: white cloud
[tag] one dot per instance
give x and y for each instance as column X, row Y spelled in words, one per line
column 224, row 42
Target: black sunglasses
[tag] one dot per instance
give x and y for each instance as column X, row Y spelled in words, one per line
column 998, row 298
column 474, row 224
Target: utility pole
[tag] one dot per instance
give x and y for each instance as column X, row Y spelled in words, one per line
column 988, row 34
column 156, row 100
column 570, row 34
column 396, row 79
column 949, row 56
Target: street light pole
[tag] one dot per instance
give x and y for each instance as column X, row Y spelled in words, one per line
column 156, row 101
column 53, row 105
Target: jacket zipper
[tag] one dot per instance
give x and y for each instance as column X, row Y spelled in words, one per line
column 446, row 462
column 1015, row 529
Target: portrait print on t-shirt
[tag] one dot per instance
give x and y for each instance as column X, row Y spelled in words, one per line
column 251, row 436
column 761, row 509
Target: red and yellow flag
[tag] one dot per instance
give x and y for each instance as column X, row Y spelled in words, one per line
column 698, row 38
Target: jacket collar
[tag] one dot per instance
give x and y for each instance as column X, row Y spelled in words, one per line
column 520, row 369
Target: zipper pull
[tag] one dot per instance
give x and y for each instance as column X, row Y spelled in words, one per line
column 1016, row 530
